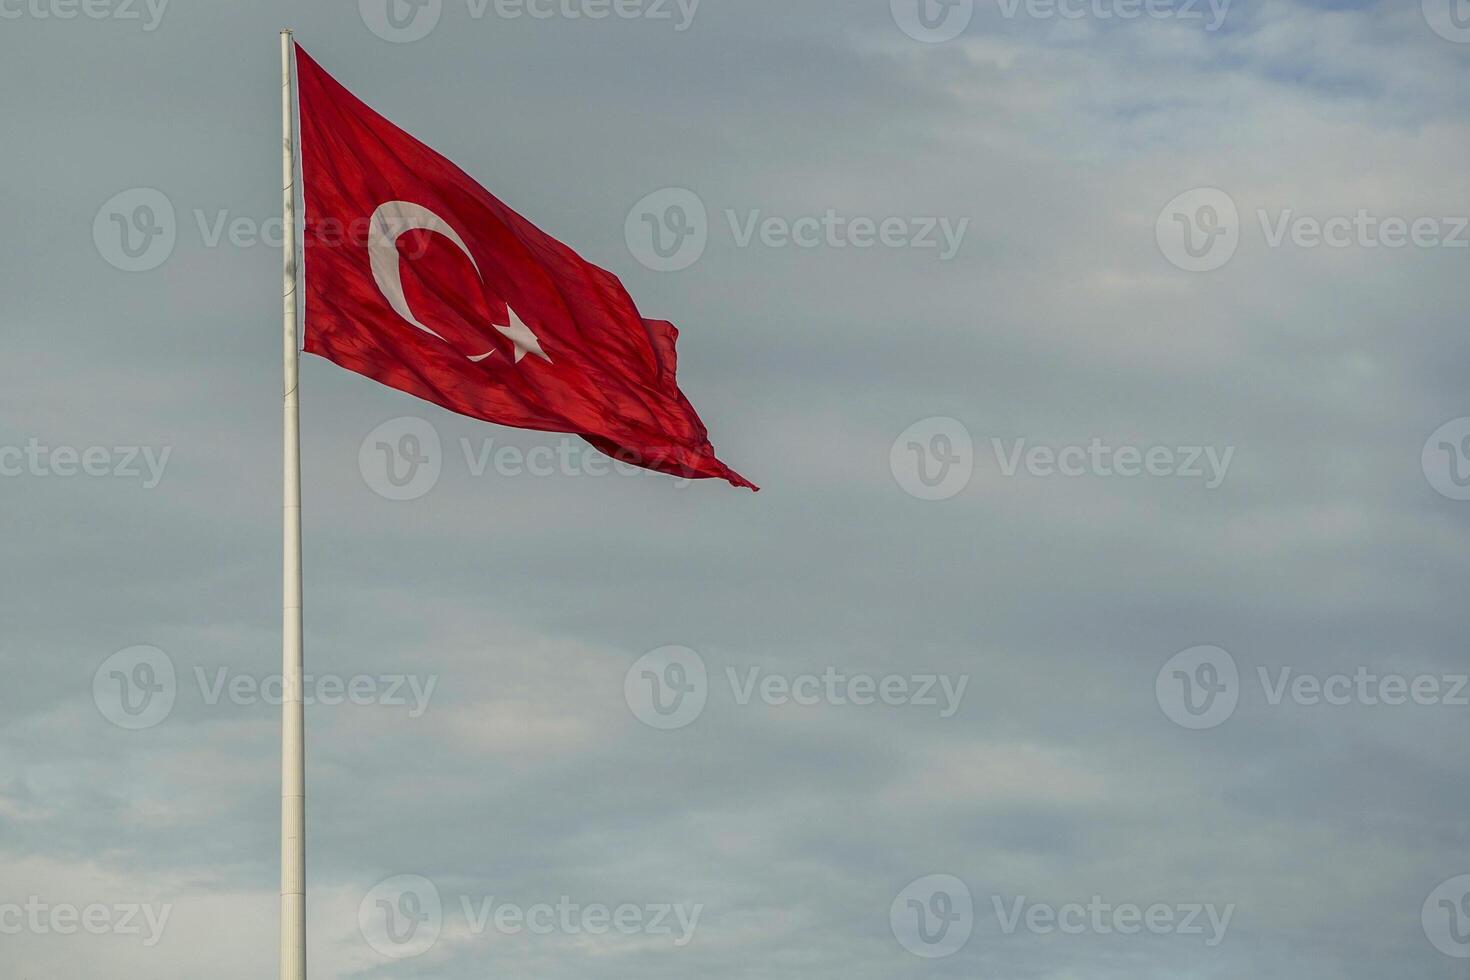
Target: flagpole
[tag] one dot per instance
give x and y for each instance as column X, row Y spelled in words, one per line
column 293, row 742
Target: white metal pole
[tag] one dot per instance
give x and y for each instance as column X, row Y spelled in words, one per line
column 293, row 742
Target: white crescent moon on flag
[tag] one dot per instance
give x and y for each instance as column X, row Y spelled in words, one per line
column 396, row 218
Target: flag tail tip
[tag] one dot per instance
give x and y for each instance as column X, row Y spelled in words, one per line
column 738, row 481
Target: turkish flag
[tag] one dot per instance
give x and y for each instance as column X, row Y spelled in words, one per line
column 419, row 278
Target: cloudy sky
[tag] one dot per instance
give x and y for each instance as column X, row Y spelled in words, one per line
column 1103, row 366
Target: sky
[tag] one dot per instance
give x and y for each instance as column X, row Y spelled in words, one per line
column 1101, row 615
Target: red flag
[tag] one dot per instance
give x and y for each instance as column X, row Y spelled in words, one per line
column 419, row 278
